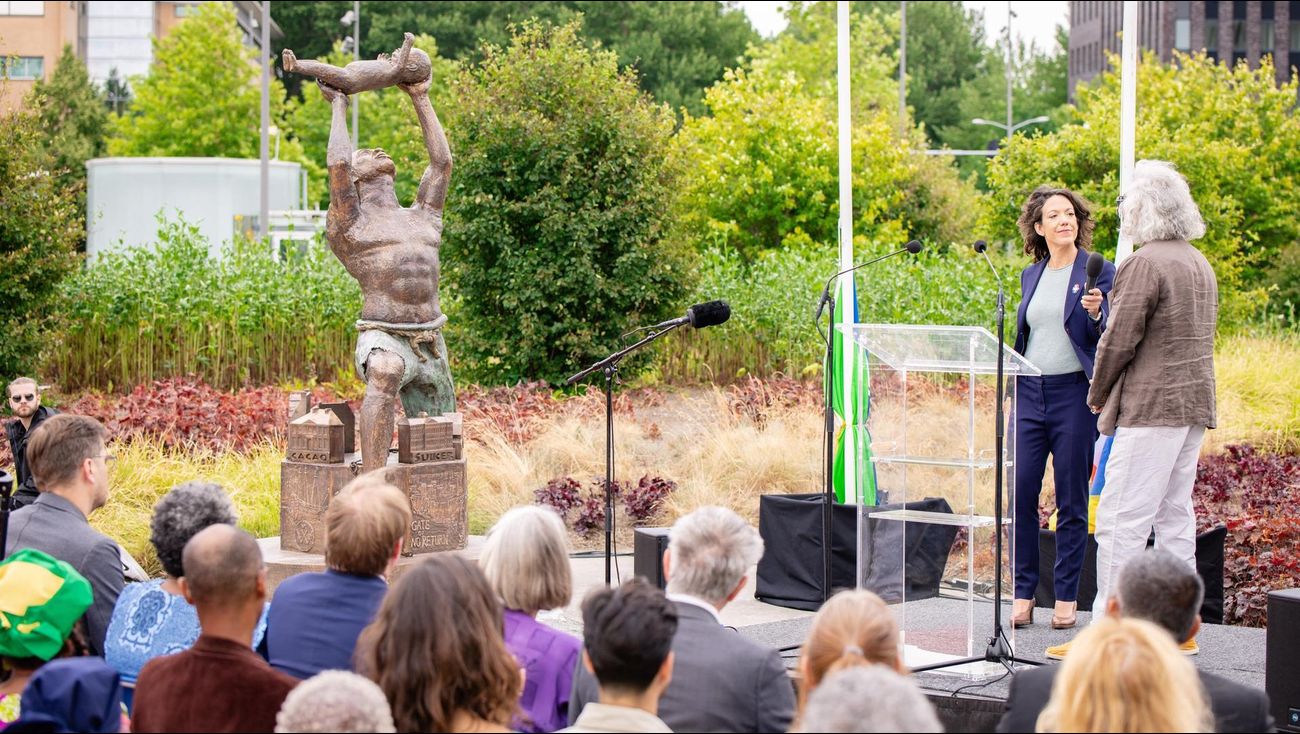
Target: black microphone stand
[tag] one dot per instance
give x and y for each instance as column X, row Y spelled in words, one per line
column 6, row 502
column 609, row 366
column 828, row 485
column 999, row 647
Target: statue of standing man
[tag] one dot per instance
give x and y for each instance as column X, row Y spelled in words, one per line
column 392, row 251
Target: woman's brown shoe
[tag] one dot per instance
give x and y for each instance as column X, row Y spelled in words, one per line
column 1022, row 613
column 1064, row 623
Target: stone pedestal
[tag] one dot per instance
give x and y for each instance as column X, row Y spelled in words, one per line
column 437, row 491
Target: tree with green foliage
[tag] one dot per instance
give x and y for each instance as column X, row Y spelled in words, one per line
column 73, row 120
column 677, row 48
column 1233, row 132
column 202, row 96
column 40, row 226
column 762, row 170
column 559, row 234
column 387, row 118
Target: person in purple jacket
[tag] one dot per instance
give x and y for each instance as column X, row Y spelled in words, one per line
column 526, row 560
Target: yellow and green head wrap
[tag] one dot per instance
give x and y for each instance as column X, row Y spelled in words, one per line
column 41, row 598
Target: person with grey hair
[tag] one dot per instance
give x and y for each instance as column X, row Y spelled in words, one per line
column 526, row 560
column 152, row 618
column 868, row 698
column 335, row 700
column 219, row 684
column 1153, row 384
column 721, row 680
column 1158, row 587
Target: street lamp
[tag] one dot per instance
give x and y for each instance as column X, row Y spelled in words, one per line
column 353, row 18
column 1011, row 131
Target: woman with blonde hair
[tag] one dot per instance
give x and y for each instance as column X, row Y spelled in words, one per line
column 526, row 560
column 1126, row 675
column 852, row 628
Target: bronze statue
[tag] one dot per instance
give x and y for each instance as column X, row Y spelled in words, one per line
column 407, row 65
column 393, row 253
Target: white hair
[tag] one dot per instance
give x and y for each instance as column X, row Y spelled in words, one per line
column 710, row 550
column 1158, row 205
column 868, row 698
column 335, row 700
column 526, row 559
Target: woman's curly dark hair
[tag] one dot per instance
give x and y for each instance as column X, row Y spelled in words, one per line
column 1032, row 213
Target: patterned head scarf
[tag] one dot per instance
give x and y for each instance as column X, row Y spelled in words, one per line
column 41, row 598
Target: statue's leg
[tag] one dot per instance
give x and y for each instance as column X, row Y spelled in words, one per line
column 383, row 374
column 431, row 391
column 332, row 75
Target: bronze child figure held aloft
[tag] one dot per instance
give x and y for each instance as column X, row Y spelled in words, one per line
column 407, row 65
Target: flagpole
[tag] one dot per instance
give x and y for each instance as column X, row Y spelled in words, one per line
column 1127, row 112
column 846, row 299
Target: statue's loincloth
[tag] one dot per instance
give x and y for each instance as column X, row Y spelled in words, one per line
column 426, row 377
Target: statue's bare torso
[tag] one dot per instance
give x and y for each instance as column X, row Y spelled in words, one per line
column 394, row 256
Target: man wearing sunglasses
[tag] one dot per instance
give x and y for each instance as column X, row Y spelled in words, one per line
column 25, row 402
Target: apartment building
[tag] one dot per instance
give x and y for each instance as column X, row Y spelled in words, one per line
column 105, row 34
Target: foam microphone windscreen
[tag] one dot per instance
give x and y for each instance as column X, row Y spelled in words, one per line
column 708, row 314
column 913, row 247
column 1095, row 263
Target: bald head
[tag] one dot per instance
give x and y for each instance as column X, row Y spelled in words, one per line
column 222, row 565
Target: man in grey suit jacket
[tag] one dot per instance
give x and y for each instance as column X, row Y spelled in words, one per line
column 1158, row 587
column 69, row 461
column 721, row 680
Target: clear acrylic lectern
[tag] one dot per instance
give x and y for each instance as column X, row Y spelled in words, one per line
column 927, row 539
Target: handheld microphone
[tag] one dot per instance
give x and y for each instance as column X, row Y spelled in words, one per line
column 1095, row 263
column 912, row 247
column 700, row 316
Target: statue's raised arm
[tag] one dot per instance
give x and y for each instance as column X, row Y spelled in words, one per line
column 432, row 193
column 344, row 205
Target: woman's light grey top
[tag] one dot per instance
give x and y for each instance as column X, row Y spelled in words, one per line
column 1049, row 346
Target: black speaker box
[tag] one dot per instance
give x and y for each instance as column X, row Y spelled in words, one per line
column 790, row 572
column 1209, row 564
column 648, row 549
column 1282, row 658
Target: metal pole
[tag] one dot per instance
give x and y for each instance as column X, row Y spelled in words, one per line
column 356, row 56
column 1127, row 112
column 1010, row 64
column 264, row 214
column 902, row 65
column 846, row 247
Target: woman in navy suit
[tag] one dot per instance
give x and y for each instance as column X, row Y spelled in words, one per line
column 1057, row 329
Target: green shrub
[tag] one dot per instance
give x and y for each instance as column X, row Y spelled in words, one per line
column 774, row 298
column 170, row 309
column 560, row 233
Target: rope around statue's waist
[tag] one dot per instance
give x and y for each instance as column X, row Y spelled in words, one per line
column 415, row 334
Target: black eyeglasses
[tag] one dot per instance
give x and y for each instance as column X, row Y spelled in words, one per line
column 22, row 398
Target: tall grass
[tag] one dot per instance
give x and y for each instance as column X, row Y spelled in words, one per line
column 1258, row 389
column 172, row 309
column 773, row 300
column 144, row 470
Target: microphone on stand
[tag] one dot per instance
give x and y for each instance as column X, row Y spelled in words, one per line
column 913, row 247
column 700, row 316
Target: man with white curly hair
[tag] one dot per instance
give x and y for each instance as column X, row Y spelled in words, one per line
column 1153, row 383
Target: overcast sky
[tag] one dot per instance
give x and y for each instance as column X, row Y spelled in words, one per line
column 1034, row 21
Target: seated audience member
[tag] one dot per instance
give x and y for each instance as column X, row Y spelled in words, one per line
column 41, row 599
column 75, row 694
column 721, row 681
column 1126, row 675
column 219, row 684
column 29, row 414
column 315, row 618
column 152, row 618
column 1158, row 587
column 526, row 560
column 70, row 464
column 868, row 698
column 852, row 628
column 335, row 700
column 627, row 635
column 436, row 650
